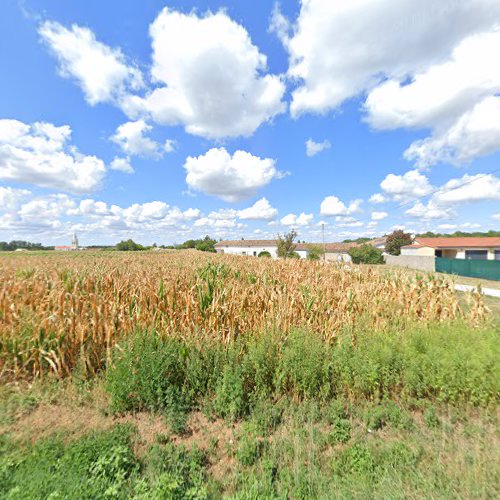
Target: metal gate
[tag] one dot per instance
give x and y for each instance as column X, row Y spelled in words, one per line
column 486, row 269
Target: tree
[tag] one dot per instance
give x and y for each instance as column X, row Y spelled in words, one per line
column 264, row 253
column 396, row 240
column 366, row 254
column 129, row 246
column 206, row 244
column 314, row 252
column 286, row 245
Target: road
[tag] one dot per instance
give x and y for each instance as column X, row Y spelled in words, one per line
column 486, row 291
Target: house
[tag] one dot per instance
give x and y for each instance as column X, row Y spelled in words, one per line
column 470, row 248
column 333, row 251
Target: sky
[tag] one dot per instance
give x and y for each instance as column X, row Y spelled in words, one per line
column 166, row 121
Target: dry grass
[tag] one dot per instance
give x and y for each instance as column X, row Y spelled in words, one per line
column 60, row 312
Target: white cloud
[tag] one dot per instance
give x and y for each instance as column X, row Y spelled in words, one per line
column 469, row 188
column 102, row 72
column 410, row 185
column 300, row 220
column 377, row 198
column 313, row 148
column 339, row 49
column 39, row 154
column 422, row 64
column 231, row 178
column 476, row 133
column 430, row 211
column 131, row 138
column 122, row 165
column 260, row 210
column 211, row 77
column 456, row 192
column 332, row 205
column 496, row 216
column 10, row 197
column 379, row 215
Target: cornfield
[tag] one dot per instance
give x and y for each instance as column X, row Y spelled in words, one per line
column 59, row 312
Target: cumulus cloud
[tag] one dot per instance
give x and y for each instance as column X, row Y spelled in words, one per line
column 231, row 178
column 10, row 197
column 122, row 165
column 132, row 139
column 430, row 211
column 417, row 61
column 260, row 210
column 379, row 215
column 469, row 188
column 39, row 154
column 475, row 133
column 211, row 77
column 297, row 220
column 313, row 148
column 103, row 73
column 457, row 192
column 412, row 184
column 339, row 49
column 332, row 206
column 377, row 198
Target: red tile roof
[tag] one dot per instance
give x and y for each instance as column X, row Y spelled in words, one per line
column 466, row 242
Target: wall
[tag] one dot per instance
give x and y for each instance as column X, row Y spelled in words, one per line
column 426, row 251
column 337, row 257
column 421, row 262
column 248, row 250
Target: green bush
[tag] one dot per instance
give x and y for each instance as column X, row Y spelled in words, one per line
column 149, row 373
column 129, row 246
column 315, row 252
column 264, row 253
column 366, row 254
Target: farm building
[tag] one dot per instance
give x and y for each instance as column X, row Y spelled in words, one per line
column 480, row 248
column 333, row 251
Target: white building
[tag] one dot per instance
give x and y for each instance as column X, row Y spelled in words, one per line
column 336, row 252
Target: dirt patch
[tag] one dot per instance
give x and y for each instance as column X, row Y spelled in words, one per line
column 48, row 420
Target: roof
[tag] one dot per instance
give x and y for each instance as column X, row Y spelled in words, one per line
column 329, row 247
column 377, row 241
column 466, row 242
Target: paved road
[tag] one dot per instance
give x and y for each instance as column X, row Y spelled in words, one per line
column 486, row 291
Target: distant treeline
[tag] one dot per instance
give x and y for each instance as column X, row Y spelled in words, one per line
column 206, row 244
column 460, row 234
column 27, row 245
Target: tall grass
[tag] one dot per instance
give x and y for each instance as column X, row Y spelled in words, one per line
column 61, row 312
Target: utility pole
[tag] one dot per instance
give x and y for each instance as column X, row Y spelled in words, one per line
column 324, row 247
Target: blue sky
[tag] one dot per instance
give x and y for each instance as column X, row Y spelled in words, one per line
column 164, row 121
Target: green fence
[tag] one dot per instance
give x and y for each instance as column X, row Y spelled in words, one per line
column 487, row 269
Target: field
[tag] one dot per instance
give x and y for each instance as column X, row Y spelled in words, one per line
column 189, row 375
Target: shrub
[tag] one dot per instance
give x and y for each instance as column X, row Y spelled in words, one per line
column 396, row 240
column 314, row 252
column 150, row 374
column 366, row 254
column 129, row 246
column 264, row 253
